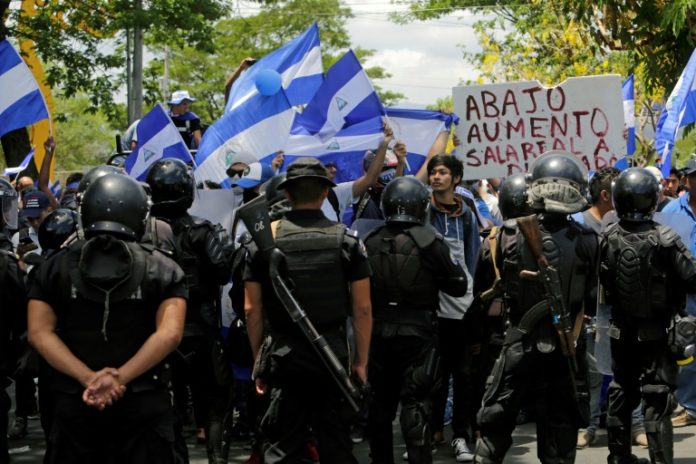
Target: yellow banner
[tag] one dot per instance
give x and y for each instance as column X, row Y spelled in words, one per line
column 39, row 132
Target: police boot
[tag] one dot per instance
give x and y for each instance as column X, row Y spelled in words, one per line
column 215, row 448
column 484, row 454
column 620, row 446
column 660, row 441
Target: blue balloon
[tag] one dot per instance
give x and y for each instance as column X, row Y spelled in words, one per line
column 268, row 82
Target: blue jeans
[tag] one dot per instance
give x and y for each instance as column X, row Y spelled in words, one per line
column 686, row 387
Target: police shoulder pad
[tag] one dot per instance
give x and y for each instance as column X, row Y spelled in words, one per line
column 423, row 236
column 668, row 237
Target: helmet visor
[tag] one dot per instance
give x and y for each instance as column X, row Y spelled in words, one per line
column 10, row 210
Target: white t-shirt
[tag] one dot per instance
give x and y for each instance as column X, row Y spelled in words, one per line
column 344, row 193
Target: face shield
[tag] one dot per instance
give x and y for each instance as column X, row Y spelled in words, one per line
column 10, row 208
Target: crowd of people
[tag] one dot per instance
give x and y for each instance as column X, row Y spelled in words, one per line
column 481, row 304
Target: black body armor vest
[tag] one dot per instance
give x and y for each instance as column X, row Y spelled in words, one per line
column 203, row 290
column 400, row 286
column 635, row 282
column 561, row 251
column 315, row 269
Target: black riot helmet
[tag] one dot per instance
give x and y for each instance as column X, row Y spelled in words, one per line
column 115, row 204
column 8, row 205
column 273, row 193
column 558, row 183
column 405, row 199
column 513, row 197
column 94, row 174
column 172, row 185
column 56, row 228
column 635, row 195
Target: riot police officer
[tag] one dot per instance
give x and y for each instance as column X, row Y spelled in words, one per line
column 487, row 314
column 537, row 356
column 645, row 272
column 11, row 302
column 410, row 263
column 203, row 259
column 330, row 273
column 104, row 313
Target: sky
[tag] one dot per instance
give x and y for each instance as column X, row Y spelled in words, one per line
column 425, row 58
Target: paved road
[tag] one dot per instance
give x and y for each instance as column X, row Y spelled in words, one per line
column 30, row 450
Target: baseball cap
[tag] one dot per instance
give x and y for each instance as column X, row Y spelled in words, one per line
column 390, row 159
column 255, row 174
column 179, row 96
column 306, row 168
column 34, row 203
column 690, row 167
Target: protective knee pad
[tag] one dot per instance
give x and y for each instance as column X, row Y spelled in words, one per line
column 415, row 424
column 660, row 440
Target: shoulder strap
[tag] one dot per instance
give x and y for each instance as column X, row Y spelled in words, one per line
column 493, row 240
column 362, row 204
column 422, row 236
column 333, row 199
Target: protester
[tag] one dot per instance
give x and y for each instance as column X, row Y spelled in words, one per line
column 451, row 217
column 188, row 123
column 680, row 215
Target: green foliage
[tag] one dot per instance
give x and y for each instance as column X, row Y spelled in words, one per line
column 84, row 138
column 278, row 22
column 445, row 105
column 82, row 42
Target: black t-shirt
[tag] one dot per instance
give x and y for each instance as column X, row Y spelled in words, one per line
column 187, row 124
column 354, row 262
column 98, row 338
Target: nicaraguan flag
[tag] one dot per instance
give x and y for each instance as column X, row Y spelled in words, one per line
column 629, row 114
column 299, row 64
column 22, row 166
column 158, row 138
column 418, row 129
column 346, row 148
column 679, row 111
column 21, row 101
column 255, row 126
column 346, row 97
column 56, row 189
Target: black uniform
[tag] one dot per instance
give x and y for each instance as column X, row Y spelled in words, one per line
column 411, row 264
column 646, row 272
column 12, row 309
column 531, row 357
column 487, row 315
column 322, row 260
column 203, row 259
column 105, row 331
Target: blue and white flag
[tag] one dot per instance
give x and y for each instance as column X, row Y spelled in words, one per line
column 346, row 97
column 629, row 114
column 255, row 126
column 55, row 188
column 679, row 111
column 418, row 129
column 21, row 101
column 158, row 138
column 299, row 64
column 22, row 166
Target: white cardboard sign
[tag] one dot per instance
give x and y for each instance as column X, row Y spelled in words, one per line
column 505, row 127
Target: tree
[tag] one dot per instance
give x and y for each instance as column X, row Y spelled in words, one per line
column 277, row 22
column 82, row 42
column 550, row 41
